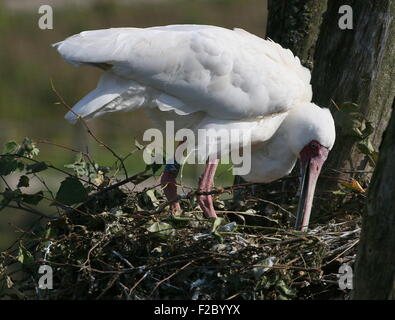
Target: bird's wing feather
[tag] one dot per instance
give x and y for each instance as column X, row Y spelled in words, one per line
column 214, row 138
column 229, row 74
column 114, row 93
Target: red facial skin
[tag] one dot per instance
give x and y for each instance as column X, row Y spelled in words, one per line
column 312, row 156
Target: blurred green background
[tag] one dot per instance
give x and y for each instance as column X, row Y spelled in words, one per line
column 28, row 62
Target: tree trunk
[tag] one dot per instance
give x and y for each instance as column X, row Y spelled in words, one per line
column 356, row 66
column 374, row 276
column 295, row 25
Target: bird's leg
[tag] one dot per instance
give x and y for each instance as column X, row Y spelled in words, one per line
column 205, row 183
column 168, row 182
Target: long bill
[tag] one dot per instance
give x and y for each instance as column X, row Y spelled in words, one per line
column 310, row 172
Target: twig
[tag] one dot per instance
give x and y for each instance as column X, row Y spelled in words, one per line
column 31, row 210
column 110, row 284
column 52, row 167
column 115, row 185
column 24, row 233
column 138, row 282
column 276, row 205
column 5, row 182
column 343, row 252
column 171, row 276
column 85, row 154
column 100, row 142
column 46, row 187
column 122, row 258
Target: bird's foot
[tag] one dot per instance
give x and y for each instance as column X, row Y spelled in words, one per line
column 175, row 207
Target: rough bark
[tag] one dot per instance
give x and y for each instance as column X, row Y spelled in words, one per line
column 356, row 66
column 295, row 24
column 374, row 276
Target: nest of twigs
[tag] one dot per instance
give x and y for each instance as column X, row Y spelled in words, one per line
column 133, row 251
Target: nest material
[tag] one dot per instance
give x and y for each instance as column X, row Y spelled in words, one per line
column 126, row 252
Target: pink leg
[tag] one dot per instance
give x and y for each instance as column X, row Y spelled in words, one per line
column 168, row 182
column 205, row 183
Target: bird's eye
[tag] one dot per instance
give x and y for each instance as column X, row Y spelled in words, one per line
column 314, row 145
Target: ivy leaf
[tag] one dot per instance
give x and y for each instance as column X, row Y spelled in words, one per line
column 83, row 168
column 350, row 119
column 71, row 191
column 7, row 165
column 161, row 229
column 28, row 148
column 33, row 199
column 11, row 147
column 151, row 195
column 216, row 223
column 23, row 181
column 369, row 129
column 366, row 148
column 24, row 256
column 218, row 236
column 79, row 166
column 10, row 195
column 36, row 167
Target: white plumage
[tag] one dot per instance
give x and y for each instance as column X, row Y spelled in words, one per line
column 206, row 77
column 227, row 74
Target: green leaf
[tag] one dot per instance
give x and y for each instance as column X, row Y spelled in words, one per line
column 216, row 223
column 36, row 167
column 338, row 193
column 11, row 147
column 33, row 199
column 218, row 236
column 7, row 165
column 369, row 129
column 79, row 165
column 83, row 168
column 285, row 290
column 10, row 195
column 24, row 256
column 350, row 119
column 71, row 191
column 365, row 147
column 28, row 148
column 161, row 228
column 349, row 107
column 151, row 195
column 23, row 181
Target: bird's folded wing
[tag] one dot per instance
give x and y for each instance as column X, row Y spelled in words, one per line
column 229, row 74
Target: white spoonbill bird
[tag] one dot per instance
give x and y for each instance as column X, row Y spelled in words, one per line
column 205, row 77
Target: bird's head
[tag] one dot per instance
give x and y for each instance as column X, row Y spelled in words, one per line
column 311, row 134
